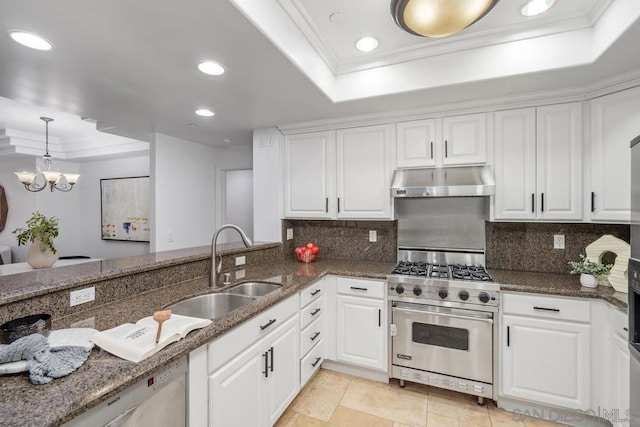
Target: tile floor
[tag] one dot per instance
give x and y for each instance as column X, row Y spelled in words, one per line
column 338, row 400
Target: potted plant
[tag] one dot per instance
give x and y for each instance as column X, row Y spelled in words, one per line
column 40, row 231
column 590, row 271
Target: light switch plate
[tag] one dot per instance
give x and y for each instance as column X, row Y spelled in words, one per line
column 373, row 236
column 289, row 233
column 241, row 260
column 558, row 241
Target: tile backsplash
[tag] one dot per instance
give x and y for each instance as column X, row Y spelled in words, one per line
column 343, row 239
column 529, row 246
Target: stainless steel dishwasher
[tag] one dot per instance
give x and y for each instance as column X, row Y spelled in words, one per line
column 158, row 400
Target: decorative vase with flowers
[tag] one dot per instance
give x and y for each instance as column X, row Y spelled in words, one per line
column 40, row 231
column 590, row 272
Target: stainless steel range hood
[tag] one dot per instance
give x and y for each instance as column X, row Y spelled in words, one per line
column 443, row 182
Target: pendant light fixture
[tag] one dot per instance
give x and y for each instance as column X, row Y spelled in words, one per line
column 438, row 18
column 51, row 177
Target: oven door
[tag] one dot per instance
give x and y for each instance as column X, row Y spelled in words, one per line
column 449, row 341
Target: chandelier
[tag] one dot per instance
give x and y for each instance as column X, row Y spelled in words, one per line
column 56, row 180
column 438, row 18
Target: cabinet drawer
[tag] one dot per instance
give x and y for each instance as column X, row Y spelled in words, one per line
column 311, row 293
column 546, row 307
column 361, row 287
column 311, row 362
column 311, row 312
column 237, row 339
column 311, row 335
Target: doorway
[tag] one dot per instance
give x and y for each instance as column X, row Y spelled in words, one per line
column 237, row 203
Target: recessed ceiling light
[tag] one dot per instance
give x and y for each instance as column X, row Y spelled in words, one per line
column 366, row 44
column 226, row 140
column 31, row 40
column 211, row 68
column 204, row 112
column 536, row 7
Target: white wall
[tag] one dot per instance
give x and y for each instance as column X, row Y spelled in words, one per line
column 238, row 204
column 183, row 193
column 90, row 215
column 267, row 184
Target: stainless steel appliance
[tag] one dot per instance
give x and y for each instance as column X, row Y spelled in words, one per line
column 634, row 284
column 158, row 400
column 443, row 311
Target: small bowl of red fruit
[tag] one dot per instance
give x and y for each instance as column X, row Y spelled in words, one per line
column 307, row 253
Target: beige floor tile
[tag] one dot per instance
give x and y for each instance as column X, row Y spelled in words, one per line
column 338, row 380
column 397, row 424
column 347, row 417
column 318, row 401
column 467, row 424
column 440, row 408
column 478, row 416
column 319, row 377
column 538, row 422
column 382, row 401
column 435, row 420
column 410, row 386
column 287, row 419
column 305, row 421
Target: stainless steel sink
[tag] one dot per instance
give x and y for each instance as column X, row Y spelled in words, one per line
column 210, row 306
column 254, row 289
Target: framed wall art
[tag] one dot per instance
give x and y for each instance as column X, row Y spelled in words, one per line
column 125, row 209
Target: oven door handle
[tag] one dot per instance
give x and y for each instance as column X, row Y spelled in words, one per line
column 449, row 315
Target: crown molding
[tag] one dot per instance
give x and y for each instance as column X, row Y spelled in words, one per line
column 525, row 100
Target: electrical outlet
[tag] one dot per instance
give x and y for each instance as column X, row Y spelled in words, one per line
column 289, row 233
column 558, row 241
column 241, row 260
column 82, row 296
column 240, row 274
column 169, row 236
column 373, row 236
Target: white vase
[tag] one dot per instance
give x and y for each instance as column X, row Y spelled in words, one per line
column 38, row 259
column 588, row 280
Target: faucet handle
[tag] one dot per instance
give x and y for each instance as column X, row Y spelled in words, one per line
column 227, row 279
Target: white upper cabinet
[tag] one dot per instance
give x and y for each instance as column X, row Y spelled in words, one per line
column 364, row 172
column 538, row 163
column 457, row 140
column 615, row 121
column 348, row 176
column 559, row 157
column 415, row 146
column 465, row 139
column 309, row 175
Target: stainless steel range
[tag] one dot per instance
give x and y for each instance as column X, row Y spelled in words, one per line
column 443, row 310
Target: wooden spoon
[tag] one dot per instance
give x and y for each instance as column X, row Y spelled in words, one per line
column 161, row 316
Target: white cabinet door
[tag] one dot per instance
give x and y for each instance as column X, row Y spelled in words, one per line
column 615, row 121
column 465, row 139
column 515, row 164
column 361, row 331
column 559, row 158
column 309, row 175
column 236, row 391
column 364, row 172
column 415, row 144
column 620, row 382
column 283, row 381
column 546, row 361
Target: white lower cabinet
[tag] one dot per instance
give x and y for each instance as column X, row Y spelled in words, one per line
column 255, row 386
column 545, row 354
column 361, row 323
column 312, row 330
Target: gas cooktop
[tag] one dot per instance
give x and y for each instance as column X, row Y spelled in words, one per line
column 443, row 271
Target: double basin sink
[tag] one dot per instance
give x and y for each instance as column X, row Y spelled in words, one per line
column 213, row 305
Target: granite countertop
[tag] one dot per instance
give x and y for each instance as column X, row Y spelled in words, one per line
column 555, row 284
column 104, row 375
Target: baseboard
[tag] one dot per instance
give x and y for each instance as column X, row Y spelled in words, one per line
column 566, row 416
column 356, row 371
